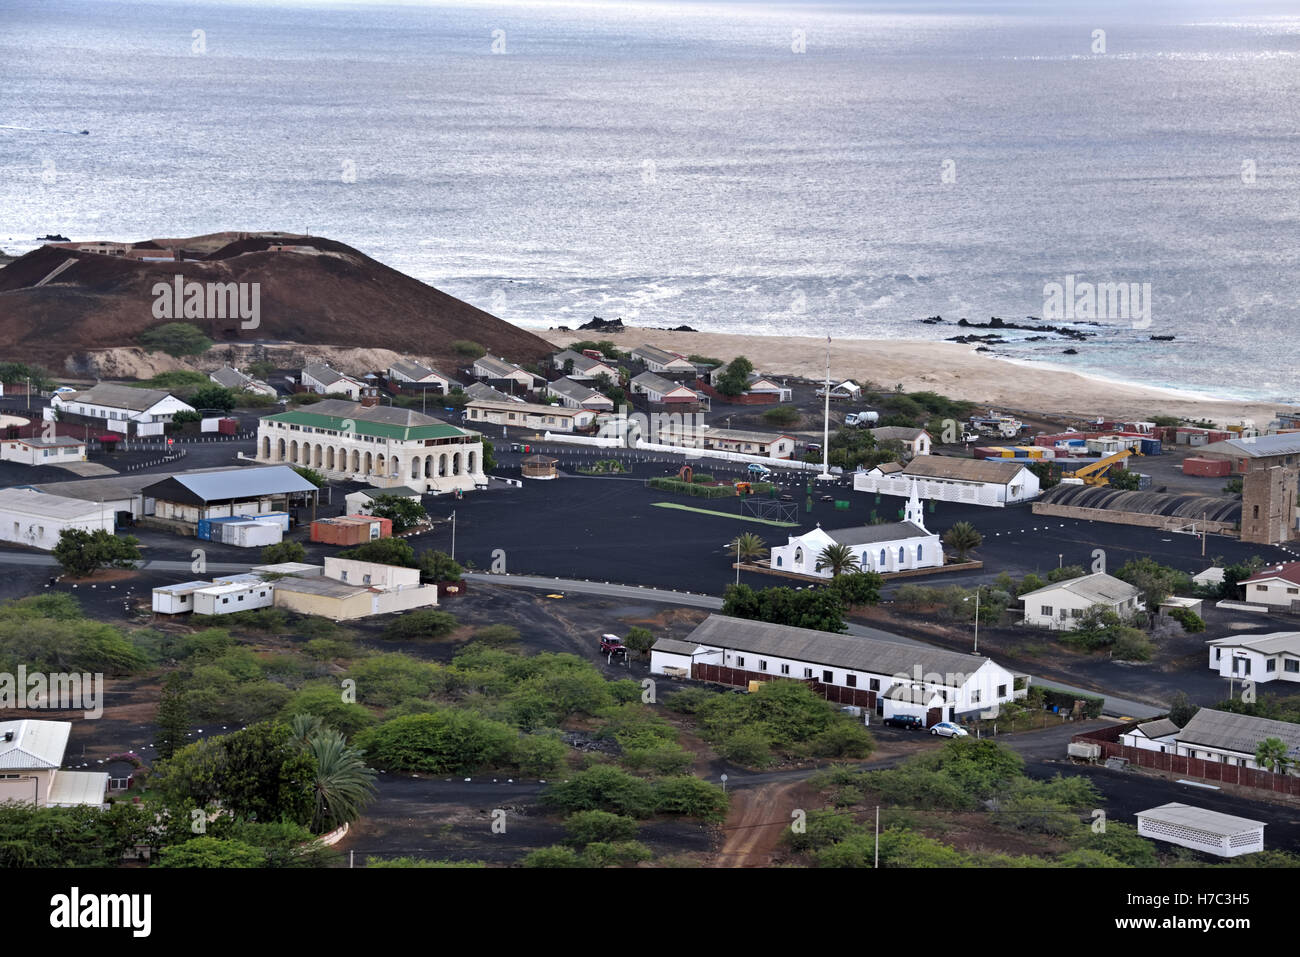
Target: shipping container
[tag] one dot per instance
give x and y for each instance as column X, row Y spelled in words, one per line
column 206, row 527
column 1206, row 467
column 351, row 529
column 250, row 534
column 211, row 425
column 280, row 518
column 228, row 426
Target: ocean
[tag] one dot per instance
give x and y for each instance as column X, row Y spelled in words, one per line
column 846, row 170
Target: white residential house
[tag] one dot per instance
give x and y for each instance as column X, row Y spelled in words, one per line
column 773, row 445
column 382, row 445
column 950, row 479
column 663, row 362
column 121, row 408
column 576, row 395
column 31, row 767
column 1271, row 657
column 583, row 368
column 1152, row 736
column 490, row 367
column 1060, row 604
column 886, row 677
column 915, row 441
column 1277, row 586
column 1212, row 576
column 763, row 385
column 237, row 381
column 1231, row 738
column 36, row 519
column 318, row 377
column 551, row 418
column 37, row 450
column 416, row 373
column 658, row 389
column 891, row 547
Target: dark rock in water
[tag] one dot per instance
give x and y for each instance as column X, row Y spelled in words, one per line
column 53, row 238
column 1071, row 352
column 995, row 322
column 933, row 320
column 983, row 349
column 682, row 329
column 598, row 324
column 989, row 339
column 1035, row 338
column 1162, row 338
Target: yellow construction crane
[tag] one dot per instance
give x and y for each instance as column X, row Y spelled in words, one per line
column 1096, row 473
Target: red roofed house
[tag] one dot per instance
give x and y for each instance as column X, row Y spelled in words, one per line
column 1277, row 586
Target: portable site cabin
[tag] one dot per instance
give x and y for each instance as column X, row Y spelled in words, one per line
column 1223, row 835
column 176, row 599
column 246, row 533
column 236, row 596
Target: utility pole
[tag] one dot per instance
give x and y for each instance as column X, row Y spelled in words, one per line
column 453, row 536
column 877, row 864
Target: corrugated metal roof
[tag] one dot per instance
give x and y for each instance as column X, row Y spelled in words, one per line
column 823, row 647
column 25, row 501
column 37, row 745
column 1277, row 642
column 744, row 435
column 662, row 356
column 1192, row 507
column 1287, row 571
column 573, row 390
column 117, row 396
column 78, row 788
column 1237, row 732
column 674, row 647
column 657, row 383
column 241, row 483
column 1097, row 588
column 962, row 470
column 869, row 534
column 1201, row 819
column 1158, row 729
column 1260, row 446
column 887, row 432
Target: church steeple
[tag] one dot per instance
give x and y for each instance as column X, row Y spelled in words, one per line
column 914, row 513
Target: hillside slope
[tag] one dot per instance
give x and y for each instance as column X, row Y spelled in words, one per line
column 327, row 293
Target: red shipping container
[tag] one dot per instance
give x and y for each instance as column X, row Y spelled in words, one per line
column 350, row 529
column 228, row 426
column 1206, row 467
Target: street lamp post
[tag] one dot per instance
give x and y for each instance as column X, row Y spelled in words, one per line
column 453, row 536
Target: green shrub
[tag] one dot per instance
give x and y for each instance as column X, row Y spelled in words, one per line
column 618, row 854
column 420, row 624
column 539, row 754
column 690, row 797
column 1190, row 620
column 820, row 829
column 176, row 339
column 586, row 827
column 603, row 788
column 439, row 742
column 557, row 856
column 468, row 348
column 746, row 746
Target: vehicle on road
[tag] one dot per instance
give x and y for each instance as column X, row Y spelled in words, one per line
column 761, row 471
column 909, row 722
column 946, row 729
column 862, row 418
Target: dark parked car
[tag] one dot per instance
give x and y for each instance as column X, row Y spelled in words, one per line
column 909, row 721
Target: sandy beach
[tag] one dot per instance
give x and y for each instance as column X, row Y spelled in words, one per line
column 949, row 368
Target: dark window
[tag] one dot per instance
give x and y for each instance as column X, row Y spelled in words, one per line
column 874, row 684
column 851, row 680
column 1002, row 691
column 762, row 664
column 828, row 677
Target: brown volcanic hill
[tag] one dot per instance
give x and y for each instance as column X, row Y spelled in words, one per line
column 326, row 293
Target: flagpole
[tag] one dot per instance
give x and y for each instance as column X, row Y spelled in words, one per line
column 826, row 418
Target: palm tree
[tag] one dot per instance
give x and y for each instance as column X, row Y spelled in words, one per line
column 303, row 727
column 748, row 547
column 838, row 558
column 1271, row 754
column 343, row 785
column 961, row 538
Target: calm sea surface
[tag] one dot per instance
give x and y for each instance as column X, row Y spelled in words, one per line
column 846, row 170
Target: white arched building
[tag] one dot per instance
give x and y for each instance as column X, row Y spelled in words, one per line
column 381, row 445
column 892, row 547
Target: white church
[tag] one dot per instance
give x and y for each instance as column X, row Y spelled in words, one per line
column 892, row 547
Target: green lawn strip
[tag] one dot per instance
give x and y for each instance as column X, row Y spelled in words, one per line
column 741, row 518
